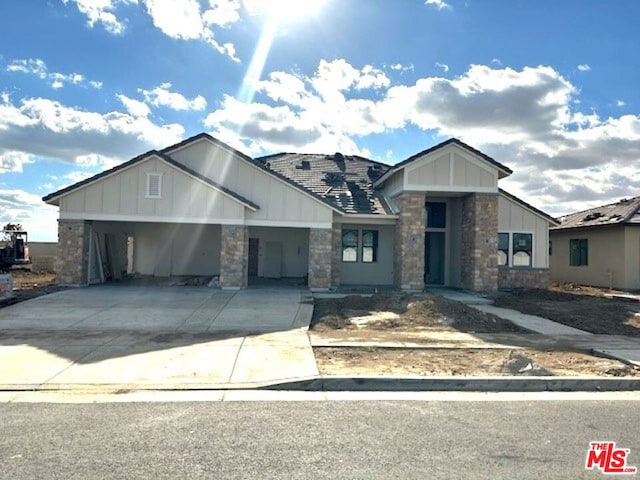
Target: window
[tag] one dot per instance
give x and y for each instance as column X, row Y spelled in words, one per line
column 154, row 185
column 369, row 246
column 503, row 249
column 579, row 252
column 522, row 248
column 349, row 245
column 436, row 213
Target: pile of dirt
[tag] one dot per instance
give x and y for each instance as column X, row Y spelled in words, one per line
column 404, row 312
column 592, row 313
column 28, row 285
column 467, row 362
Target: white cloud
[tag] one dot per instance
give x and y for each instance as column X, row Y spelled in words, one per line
column 620, row 103
column 496, row 61
column 41, row 127
column 102, row 12
column 584, row 67
column 161, row 96
column 36, row 66
column 443, row 66
column 12, row 161
column 527, row 119
column 134, row 107
column 40, row 220
column 398, row 67
column 183, row 19
column 439, row 4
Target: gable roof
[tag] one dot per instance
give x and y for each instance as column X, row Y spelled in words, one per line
column 343, row 181
column 452, row 141
column 540, row 213
column 255, row 162
column 52, row 197
column 625, row 211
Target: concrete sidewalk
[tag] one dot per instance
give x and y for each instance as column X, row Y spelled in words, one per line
column 155, row 337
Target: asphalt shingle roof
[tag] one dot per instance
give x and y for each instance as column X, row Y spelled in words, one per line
column 624, row 211
column 343, row 181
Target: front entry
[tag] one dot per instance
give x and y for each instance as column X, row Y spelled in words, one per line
column 434, row 255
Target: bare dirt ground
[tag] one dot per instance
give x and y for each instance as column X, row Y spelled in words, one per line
column 27, row 285
column 404, row 313
column 389, row 318
column 586, row 308
column 464, row 362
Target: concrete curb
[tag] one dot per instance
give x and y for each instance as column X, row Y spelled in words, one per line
column 370, row 384
column 463, row 384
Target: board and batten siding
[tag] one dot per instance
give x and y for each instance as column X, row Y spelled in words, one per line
column 452, row 169
column 514, row 218
column 280, row 203
column 122, row 196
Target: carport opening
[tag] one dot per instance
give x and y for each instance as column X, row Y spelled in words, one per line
column 157, row 253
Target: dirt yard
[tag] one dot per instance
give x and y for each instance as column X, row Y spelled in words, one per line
column 401, row 318
column 580, row 307
column 464, row 362
column 403, row 313
column 27, row 285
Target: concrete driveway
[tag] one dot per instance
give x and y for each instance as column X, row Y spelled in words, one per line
column 156, row 337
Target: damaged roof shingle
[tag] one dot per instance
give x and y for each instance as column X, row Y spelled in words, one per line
column 344, row 181
column 624, row 211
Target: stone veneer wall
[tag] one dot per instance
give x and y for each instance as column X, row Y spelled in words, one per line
column 336, row 254
column 479, row 262
column 320, row 258
column 509, row 277
column 234, row 256
column 409, row 242
column 73, row 252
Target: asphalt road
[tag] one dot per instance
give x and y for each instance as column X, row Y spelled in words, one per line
column 312, row 440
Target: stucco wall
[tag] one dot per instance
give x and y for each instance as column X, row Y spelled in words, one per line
column 606, row 247
column 376, row 273
column 172, row 249
column 295, row 248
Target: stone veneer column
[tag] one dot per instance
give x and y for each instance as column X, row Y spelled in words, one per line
column 234, row 257
column 336, row 254
column 409, row 242
column 73, row 252
column 479, row 265
column 320, row 258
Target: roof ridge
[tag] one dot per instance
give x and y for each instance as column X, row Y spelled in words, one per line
column 588, row 210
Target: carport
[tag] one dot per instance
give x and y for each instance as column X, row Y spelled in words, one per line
column 151, row 248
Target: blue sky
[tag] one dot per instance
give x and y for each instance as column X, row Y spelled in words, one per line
column 548, row 88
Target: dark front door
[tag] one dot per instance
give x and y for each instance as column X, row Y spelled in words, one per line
column 254, row 249
column 434, row 249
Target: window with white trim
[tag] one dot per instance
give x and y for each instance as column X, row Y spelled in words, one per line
column 503, row 249
column 154, row 185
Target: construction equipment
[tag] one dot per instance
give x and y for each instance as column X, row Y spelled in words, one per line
column 14, row 250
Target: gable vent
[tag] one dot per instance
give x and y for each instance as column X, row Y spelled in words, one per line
column 154, row 185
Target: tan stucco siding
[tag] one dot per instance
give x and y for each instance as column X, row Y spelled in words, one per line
column 632, row 257
column 125, row 195
column 513, row 218
column 279, row 202
column 376, row 273
column 605, row 256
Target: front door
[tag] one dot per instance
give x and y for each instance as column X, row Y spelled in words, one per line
column 254, row 248
column 434, row 254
